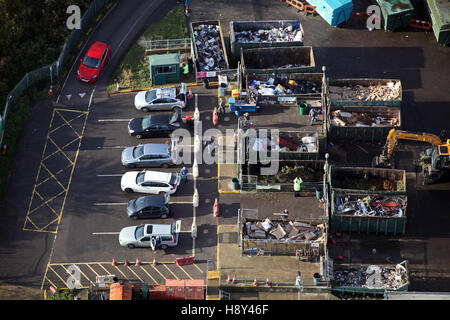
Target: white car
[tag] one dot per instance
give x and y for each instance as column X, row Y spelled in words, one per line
column 153, row 182
column 161, row 99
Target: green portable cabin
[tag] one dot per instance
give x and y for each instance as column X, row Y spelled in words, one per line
column 396, row 13
column 164, row 68
column 440, row 18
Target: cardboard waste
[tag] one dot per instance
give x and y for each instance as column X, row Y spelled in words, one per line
column 284, row 231
column 278, row 86
column 289, row 33
column 371, row 205
column 209, row 47
column 360, row 119
column 379, row 92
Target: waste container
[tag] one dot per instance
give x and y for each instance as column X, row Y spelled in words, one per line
column 235, row 182
column 302, row 108
column 319, row 192
column 316, row 278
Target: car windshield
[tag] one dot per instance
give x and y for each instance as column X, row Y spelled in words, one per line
column 139, row 232
column 140, row 177
column 91, row 62
column 146, row 122
column 150, row 95
column 139, row 203
column 173, row 178
column 173, row 117
column 138, row 152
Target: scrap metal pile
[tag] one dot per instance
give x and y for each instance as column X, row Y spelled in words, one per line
column 279, row 86
column 370, row 206
column 307, row 144
column 284, row 231
column 209, row 47
column 390, row 91
column 373, row 277
column 360, row 119
column 286, row 34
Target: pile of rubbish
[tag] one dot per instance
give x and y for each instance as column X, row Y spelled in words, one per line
column 308, row 144
column 373, row 277
column 388, row 92
column 286, row 34
column 279, row 86
column 377, row 206
column 284, row 231
column 209, row 47
column 360, row 119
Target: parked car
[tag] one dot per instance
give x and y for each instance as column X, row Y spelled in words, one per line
column 152, row 182
column 150, row 155
column 94, row 62
column 161, row 99
column 153, row 206
column 155, row 125
column 142, row 236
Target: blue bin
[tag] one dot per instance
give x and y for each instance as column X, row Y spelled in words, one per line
column 232, row 104
column 334, row 12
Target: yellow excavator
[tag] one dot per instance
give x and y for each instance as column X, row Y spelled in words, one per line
column 435, row 161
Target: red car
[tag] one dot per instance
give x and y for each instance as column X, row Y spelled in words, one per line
column 94, row 62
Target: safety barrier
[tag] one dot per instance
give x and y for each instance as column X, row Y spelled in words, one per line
column 300, row 6
column 420, row 24
column 358, row 16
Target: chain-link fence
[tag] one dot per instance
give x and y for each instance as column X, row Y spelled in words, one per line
column 51, row 72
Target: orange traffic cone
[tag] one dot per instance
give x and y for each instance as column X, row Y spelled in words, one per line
column 138, row 263
column 154, row 262
column 234, row 279
column 255, row 283
column 126, row 262
column 190, row 94
column 215, row 117
column 267, row 282
column 4, row 149
column 114, row 263
column 117, row 86
column 229, row 279
column 50, row 92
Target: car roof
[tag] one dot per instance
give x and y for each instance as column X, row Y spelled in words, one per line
column 165, row 93
column 154, row 200
column 157, row 176
column 159, row 229
column 156, row 148
column 96, row 50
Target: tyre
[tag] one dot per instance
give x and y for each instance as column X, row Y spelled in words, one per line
column 130, row 246
column 164, row 246
column 161, row 193
column 135, row 217
column 139, row 136
column 132, row 166
column 164, row 216
column 145, row 109
column 164, row 165
column 128, row 190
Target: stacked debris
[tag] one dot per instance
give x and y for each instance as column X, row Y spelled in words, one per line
column 379, row 92
column 378, row 206
column 373, row 277
column 209, row 47
column 307, row 144
column 287, row 34
column 361, row 119
column 279, row 86
column 284, row 231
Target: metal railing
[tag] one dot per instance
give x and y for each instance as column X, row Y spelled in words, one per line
column 168, row 44
column 52, row 71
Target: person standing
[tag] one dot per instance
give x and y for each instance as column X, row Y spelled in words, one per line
column 184, row 174
column 313, row 115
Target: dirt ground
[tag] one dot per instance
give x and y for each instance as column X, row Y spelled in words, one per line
column 8, row 292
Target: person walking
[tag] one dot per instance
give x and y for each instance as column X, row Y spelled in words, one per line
column 313, row 115
column 221, row 105
column 184, row 174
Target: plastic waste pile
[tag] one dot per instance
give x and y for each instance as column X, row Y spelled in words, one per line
column 287, row 34
column 209, row 47
column 361, row 119
column 370, row 206
column 279, row 86
column 380, row 92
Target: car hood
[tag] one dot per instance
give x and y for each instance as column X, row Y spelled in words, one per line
column 139, row 100
column 135, row 124
column 131, row 207
column 87, row 72
column 127, row 234
column 129, row 179
column 127, row 155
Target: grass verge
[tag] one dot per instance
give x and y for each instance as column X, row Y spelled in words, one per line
column 133, row 71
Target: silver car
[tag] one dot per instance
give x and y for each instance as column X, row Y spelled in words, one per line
column 161, row 99
column 150, row 155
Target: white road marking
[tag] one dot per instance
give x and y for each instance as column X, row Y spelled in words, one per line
column 82, row 95
column 113, row 120
column 180, row 202
column 110, row 204
column 110, row 175
column 105, row 233
column 117, row 147
column 68, row 96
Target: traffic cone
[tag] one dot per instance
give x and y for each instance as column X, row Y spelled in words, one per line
column 190, row 94
column 340, row 258
column 4, row 149
column 126, row 262
column 117, row 86
column 50, row 92
column 114, row 263
column 154, row 262
column 229, row 279
column 234, row 279
column 267, row 282
column 138, row 263
column 255, row 283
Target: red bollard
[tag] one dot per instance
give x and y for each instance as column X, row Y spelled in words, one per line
column 216, row 208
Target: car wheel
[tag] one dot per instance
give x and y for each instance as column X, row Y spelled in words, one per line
column 128, row 190
column 139, row 136
column 164, row 165
column 135, row 217
column 145, row 109
column 164, row 216
column 130, row 246
column 164, row 246
column 132, row 166
column 161, row 193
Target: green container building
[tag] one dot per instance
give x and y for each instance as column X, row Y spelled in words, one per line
column 440, row 18
column 164, row 68
column 396, row 13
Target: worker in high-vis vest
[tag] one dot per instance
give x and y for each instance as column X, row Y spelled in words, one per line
column 186, row 69
column 298, row 184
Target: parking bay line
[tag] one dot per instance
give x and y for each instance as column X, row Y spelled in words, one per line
column 113, row 120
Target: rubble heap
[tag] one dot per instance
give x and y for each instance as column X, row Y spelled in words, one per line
column 358, row 119
column 390, row 91
column 284, row 231
column 286, row 34
column 209, row 47
column 370, row 206
column 279, row 86
column 373, row 277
